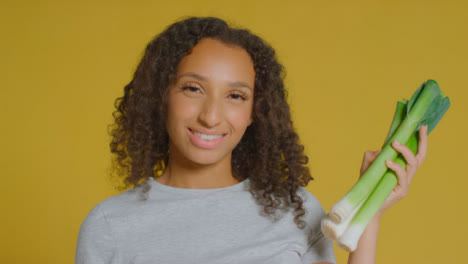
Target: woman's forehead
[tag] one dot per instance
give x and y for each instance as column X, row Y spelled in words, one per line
column 211, row 59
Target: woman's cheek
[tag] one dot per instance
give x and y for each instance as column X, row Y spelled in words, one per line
column 183, row 107
column 239, row 117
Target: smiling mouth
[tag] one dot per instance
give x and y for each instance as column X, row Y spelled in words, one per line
column 204, row 136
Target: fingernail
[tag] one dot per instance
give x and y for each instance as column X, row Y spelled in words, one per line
column 389, row 162
column 396, row 142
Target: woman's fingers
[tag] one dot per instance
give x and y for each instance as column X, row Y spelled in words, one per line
column 405, row 176
column 376, row 153
column 412, row 163
column 411, row 160
column 369, row 157
column 422, row 148
column 403, row 180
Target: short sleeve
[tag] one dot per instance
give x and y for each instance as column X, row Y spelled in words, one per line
column 319, row 247
column 95, row 242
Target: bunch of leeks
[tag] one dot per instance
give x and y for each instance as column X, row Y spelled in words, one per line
column 348, row 218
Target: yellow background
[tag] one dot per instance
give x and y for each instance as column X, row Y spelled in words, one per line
column 65, row 62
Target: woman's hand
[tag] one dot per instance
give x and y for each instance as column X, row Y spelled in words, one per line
column 404, row 176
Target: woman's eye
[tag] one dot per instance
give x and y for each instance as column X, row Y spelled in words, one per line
column 238, row 96
column 191, row 88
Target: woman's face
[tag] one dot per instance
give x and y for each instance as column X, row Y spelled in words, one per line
column 210, row 103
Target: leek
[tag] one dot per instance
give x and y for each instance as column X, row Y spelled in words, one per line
column 350, row 216
column 426, row 107
column 335, row 231
column 350, row 238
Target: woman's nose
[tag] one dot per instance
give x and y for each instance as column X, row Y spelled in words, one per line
column 211, row 113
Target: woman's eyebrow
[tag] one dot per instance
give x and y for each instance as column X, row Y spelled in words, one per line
column 192, row 74
column 202, row 78
column 240, row 84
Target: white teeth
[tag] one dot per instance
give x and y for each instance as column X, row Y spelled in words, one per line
column 207, row 137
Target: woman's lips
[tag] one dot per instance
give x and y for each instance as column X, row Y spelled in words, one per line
column 204, row 143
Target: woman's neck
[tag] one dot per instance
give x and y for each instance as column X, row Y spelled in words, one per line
column 197, row 176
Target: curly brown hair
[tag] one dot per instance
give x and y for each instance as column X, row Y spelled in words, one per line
column 269, row 153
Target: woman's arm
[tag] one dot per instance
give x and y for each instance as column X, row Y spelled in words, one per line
column 367, row 247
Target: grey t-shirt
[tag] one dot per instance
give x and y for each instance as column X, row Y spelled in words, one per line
column 177, row 225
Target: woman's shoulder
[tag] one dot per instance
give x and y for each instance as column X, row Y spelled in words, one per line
column 119, row 204
column 314, row 212
column 97, row 233
column 310, row 201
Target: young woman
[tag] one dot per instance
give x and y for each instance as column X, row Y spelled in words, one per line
column 205, row 139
